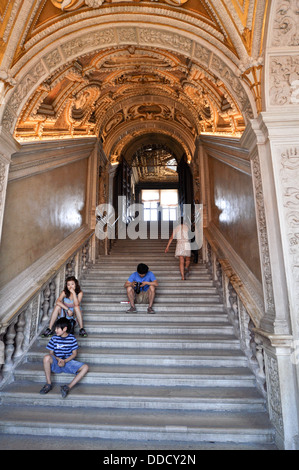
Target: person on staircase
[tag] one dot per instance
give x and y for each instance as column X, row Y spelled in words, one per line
column 68, row 305
column 183, row 247
column 63, row 349
column 141, row 288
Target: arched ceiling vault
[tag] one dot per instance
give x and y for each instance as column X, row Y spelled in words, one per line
column 122, row 70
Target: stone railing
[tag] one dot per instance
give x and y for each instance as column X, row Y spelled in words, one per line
column 240, row 308
column 18, row 333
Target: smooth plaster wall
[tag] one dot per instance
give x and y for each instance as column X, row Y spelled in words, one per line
column 40, row 212
column 233, row 211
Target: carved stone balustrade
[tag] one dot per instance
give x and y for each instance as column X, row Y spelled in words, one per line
column 241, row 311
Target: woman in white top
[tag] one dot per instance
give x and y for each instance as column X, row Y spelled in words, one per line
column 183, row 248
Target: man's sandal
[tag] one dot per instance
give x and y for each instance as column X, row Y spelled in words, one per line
column 65, row 390
column 46, row 389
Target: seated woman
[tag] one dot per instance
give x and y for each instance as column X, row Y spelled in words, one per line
column 68, row 305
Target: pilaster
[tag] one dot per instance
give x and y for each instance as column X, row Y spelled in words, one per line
column 8, row 146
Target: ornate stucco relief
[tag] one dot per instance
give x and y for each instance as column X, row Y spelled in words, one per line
column 97, row 40
column 21, row 91
column 235, row 84
column 286, row 26
column 289, row 170
column 75, row 4
column 283, row 68
column 284, row 80
column 274, row 397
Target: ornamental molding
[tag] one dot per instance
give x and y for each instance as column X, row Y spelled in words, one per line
column 263, row 235
column 144, row 101
column 150, row 16
column 118, row 140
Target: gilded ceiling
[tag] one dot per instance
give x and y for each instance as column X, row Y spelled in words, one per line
column 118, row 69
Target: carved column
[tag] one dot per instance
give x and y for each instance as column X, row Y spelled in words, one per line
column 8, row 146
column 275, row 170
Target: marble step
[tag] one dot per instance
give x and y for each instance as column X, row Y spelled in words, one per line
column 116, row 306
column 160, row 425
column 164, row 287
column 153, row 262
column 178, row 341
column 160, row 297
column 169, row 317
column 92, row 285
column 139, row 397
column 152, row 357
column 130, row 266
column 170, row 274
column 155, row 329
column 192, row 376
column 171, row 280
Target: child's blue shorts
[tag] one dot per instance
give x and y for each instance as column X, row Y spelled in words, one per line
column 70, row 367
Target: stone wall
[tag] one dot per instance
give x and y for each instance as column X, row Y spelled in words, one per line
column 45, row 202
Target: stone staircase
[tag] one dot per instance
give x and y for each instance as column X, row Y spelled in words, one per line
column 178, row 376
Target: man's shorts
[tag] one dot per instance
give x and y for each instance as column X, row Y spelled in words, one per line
column 70, row 367
column 142, row 297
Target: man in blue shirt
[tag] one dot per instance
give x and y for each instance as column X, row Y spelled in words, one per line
column 144, row 280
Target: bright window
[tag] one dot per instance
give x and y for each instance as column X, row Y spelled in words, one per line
column 165, row 200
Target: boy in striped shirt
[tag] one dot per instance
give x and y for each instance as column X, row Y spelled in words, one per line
column 63, row 349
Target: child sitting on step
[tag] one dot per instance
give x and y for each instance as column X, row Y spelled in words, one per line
column 68, row 305
column 63, row 349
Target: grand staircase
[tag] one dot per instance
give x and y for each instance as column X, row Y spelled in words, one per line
column 177, row 376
